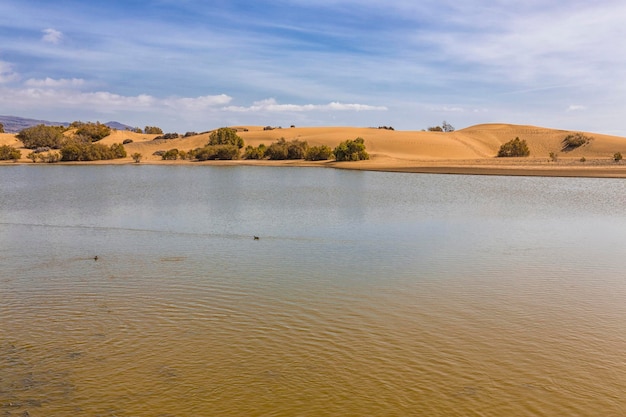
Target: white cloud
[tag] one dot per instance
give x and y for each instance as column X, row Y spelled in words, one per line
column 198, row 103
column 576, row 107
column 52, row 36
column 270, row 105
column 55, row 83
column 6, row 73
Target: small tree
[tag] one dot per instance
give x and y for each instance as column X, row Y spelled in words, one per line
column 351, row 150
column 617, row 156
column 514, row 148
column 136, row 157
column 255, row 153
column 170, row 155
column 447, row 127
column 225, row 136
column 93, row 131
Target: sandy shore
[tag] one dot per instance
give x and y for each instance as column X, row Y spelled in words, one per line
column 470, row 151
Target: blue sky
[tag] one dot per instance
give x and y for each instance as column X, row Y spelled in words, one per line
column 196, row 65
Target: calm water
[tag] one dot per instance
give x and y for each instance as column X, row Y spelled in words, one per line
column 366, row 294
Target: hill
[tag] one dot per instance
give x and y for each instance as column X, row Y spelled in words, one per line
column 14, row 124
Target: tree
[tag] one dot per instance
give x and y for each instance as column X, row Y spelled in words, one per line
column 447, row 127
column 170, row 155
column 8, row 153
column 1, row 128
column 225, row 136
column 136, row 157
column 514, row 148
column 212, row 152
column 153, row 130
column 255, row 153
column 351, row 150
column 42, row 136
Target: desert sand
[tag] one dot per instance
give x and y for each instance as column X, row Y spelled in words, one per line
column 471, row 150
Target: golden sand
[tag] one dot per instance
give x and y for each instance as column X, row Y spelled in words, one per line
column 471, row 150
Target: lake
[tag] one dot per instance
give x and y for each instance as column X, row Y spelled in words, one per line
column 366, row 293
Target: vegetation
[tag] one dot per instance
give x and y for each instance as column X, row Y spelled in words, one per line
column 553, row 156
column 42, row 136
column 213, row 152
column 153, row 130
column 225, row 136
column 351, row 150
column 91, row 132
column 254, row 153
column 281, row 149
column 127, row 141
column 617, row 156
column 137, row 157
column 445, row 127
column 583, row 159
column 386, row 127
column 168, row 136
column 574, row 141
column 514, row 148
column 8, row 153
column 1, row 128
column 170, row 155
column 75, row 150
column 318, row 153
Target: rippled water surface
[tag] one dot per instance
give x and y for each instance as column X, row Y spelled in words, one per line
column 366, row 294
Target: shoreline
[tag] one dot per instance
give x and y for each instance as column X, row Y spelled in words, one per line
column 516, row 167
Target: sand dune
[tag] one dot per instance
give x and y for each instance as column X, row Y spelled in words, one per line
column 470, row 150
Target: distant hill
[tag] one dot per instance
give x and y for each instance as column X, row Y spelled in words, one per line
column 14, row 124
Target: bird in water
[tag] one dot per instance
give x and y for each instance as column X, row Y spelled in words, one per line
column 95, row 258
column 256, row 238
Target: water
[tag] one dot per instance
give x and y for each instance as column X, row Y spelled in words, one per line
column 366, row 294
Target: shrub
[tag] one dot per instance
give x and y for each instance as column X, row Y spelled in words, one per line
column 574, row 141
column 79, row 151
column 158, row 153
column 386, row 128
column 8, row 153
column 49, row 158
column 514, row 148
column 553, row 156
column 435, row 129
column 281, row 149
column 170, row 155
column 1, row 128
column 127, row 141
column 351, row 150
column 168, row 136
column 136, row 157
column 153, row 130
column 225, row 136
column 213, row 152
column 92, row 131
column 254, row 153
column 617, row 156
column 318, row 153
column 583, row 159
column 188, row 134
column 42, row 136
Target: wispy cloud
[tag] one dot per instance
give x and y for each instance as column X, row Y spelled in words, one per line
column 52, row 83
column 7, row 74
column 576, row 107
column 52, row 36
column 271, row 106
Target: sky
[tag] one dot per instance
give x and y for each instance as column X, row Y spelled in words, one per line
column 192, row 65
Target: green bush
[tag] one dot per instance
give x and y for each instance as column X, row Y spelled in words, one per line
column 136, row 157
column 254, row 153
column 42, row 136
column 225, row 136
column 318, row 153
column 92, row 132
column 153, row 130
column 514, row 148
column 170, row 155
column 351, row 150
column 213, row 152
column 574, row 141
column 80, row 151
column 281, row 149
column 8, row 153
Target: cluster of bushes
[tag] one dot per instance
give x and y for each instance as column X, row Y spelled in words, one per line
column 282, row 149
column 214, row 152
column 82, row 151
column 46, row 157
column 445, row 127
column 351, row 150
column 9, row 153
column 514, row 148
column 574, row 141
column 168, row 136
column 225, row 136
column 386, row 127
